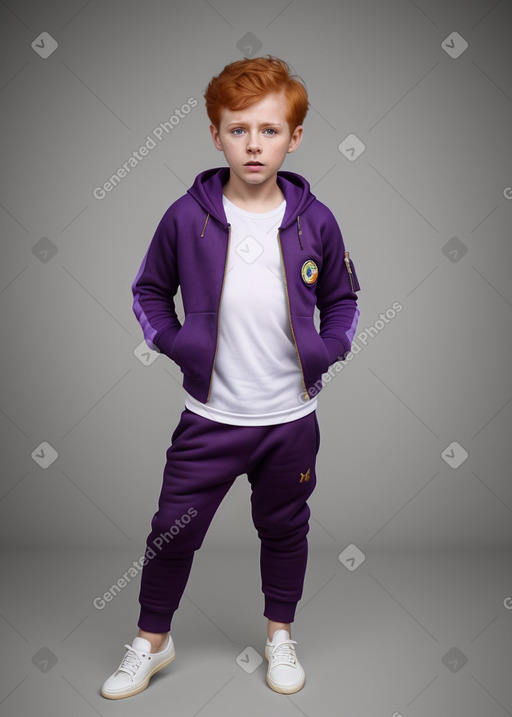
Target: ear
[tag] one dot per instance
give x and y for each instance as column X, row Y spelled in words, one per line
column 296, row 138
column 215, row 137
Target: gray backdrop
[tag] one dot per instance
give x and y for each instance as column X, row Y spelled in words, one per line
column 408, row 142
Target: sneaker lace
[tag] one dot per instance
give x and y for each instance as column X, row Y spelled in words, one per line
column 131, row 661
column 284, row 653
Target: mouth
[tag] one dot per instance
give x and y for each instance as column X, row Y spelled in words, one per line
column 253, row 164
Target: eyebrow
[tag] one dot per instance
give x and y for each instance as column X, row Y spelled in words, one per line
column 261, row 124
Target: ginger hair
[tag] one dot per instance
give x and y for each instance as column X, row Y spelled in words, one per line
column 244, row 82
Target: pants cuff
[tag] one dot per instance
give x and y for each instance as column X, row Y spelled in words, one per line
column 154, row 621
column 279, row 611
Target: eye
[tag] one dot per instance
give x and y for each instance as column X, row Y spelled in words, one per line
column 237, row 131
column 271, row 130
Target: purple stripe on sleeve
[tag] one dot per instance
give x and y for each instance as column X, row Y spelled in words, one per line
column 148, row 330
column 352, row 330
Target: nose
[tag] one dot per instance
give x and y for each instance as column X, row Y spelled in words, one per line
column 253, row 144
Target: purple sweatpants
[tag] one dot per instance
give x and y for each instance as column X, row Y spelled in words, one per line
column 203, row 461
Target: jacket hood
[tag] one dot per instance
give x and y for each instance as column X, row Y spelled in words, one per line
column 207, row 191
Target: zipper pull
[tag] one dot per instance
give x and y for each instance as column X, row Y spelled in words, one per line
column 205, row 223
column 349, row 269
column 299, row 232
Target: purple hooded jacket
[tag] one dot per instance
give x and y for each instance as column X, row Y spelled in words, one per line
column 189, row 249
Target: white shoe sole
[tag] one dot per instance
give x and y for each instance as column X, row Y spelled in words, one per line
column 284, row 690
column 140, row 688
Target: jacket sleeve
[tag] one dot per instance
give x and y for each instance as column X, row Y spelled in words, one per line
column 336, row 297
column 155, row 287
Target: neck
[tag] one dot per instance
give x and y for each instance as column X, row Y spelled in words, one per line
column 253, row 197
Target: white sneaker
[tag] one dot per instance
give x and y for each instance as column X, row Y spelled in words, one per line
column 138, row 665
column 285, row 673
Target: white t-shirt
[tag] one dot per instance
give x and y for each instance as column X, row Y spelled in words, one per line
column 257, row 377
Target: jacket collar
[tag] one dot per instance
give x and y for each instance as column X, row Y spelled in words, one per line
column 207, row 191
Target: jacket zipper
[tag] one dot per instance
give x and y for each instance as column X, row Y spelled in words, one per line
column 218, row 314
column 306, row 394
column 349, row 269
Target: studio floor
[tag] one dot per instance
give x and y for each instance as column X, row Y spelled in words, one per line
column 404, row 634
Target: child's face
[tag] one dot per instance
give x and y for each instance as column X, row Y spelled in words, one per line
column 258, row 133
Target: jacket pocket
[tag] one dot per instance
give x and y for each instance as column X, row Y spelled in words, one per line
column 312, row 350
column 194, row 344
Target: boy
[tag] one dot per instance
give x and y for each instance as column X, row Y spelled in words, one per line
column 254, row 252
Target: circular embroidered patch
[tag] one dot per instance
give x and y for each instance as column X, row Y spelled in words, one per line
column 309, row 272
